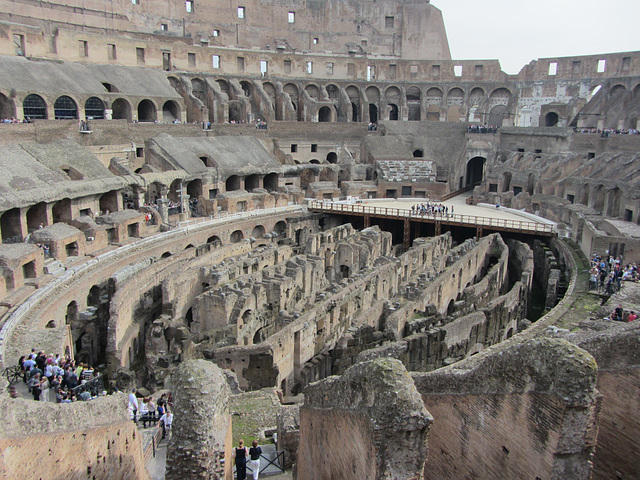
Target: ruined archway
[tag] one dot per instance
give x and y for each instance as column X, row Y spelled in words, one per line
column 214, row 241
column 475, row 170
column 233, row 183
column 251, row 182
column 324, row 115
column 393, row 112
column 121, row 110
column 147, row 111
column 236, row 236
column 270, row 182
column 506, row 181
column 258, row 231
column 497, row 114
column 551, row 119
column 280, row 228
column 36, row 216
column 332, row 157
column 10, row 224
column 170, row 112
column 7, row 107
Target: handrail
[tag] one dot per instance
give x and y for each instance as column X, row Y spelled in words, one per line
column 404, row 213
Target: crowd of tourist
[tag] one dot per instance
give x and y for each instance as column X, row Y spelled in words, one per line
column 15, row 120
column 607, row 274
column 607, row 132
column 473, row 128
column 144, row 410
column 430, row 208
column 373, row 127
column 50, row 377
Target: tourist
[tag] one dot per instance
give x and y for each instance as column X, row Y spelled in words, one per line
column 632, row 316
column 240, row 455
column 165, row 422
column 133, row 404
column 254, row 459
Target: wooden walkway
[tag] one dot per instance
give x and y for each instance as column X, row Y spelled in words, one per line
column 480, row 223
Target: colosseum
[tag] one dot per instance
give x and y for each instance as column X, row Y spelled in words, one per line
column 314, row 204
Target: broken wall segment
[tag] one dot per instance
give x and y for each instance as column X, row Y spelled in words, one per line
column 545, row 389
column 376, row 408
column 201, row 436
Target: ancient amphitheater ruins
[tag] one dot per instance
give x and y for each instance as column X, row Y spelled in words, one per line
column 216, row 197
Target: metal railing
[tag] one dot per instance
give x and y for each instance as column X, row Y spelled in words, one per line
column 403, row 213
column 275, row 459
column 95, row 386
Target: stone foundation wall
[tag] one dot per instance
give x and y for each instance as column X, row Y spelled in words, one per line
column 369, row 423
column 545, row 390
column 82, row 440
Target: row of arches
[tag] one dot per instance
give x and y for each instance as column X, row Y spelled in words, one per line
column 65, row 107
column 352, row 103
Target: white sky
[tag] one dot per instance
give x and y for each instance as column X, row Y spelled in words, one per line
column 518, row 31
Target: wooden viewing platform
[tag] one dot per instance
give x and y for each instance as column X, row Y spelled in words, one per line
column 480, row 223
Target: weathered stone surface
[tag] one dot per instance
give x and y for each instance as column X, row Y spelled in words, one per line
column 364, row 423
column 202, row 424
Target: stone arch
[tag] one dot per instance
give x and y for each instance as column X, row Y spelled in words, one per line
column 199, row 89
column 333, row 92
column 394, row 111
column 147, row 111
column 34, row 107
column 636, row 91
column 506, row 181
column 307, row 176
column 236, row 236
column 418, row 153
column 353, row 93
column 373, row 97
column 324, row 114
column 332, row 157
column 94, row 108
column 500, row 96
column 65, row 108
column 7, row 107
column 551, row 119
column 93, row 298
column 72, row 312
column 598, row 201
column 214, row 241
column 327, row 175
column 292, row 91
column 236, row 111
column 455, row 97
column 224, row 87
column 312, row 90
column 62, row 210
column 617, row 91
column 247, row 88
column 251, row 182
column 270, row 182
column 36, row 216
column 434, row 96
column 121, row 109
column 194, row 188
column 497, row 114
column 258, row 231
column 281, row 228
column 170, row 111
column 613, row 203
column 233, row 183
column 10, row 224
column 584, row 200
column 531, row 180
column 414, row 102
column 475, row 170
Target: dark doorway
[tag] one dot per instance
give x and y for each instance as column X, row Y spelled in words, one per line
column 475, row 170
column 551, row 119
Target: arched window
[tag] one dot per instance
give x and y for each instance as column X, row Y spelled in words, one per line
column 94, row 108
column 34, row 107
column 65, row 108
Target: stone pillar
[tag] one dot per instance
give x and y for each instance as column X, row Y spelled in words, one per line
column 201, row 433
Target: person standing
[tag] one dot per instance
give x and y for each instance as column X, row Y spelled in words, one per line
column 240, row 456
column 254, row 459
column 133, row 404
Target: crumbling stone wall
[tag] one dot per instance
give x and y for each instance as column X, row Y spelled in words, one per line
column 201, row 435
column 369, row 423
column 544, row 389
column 76, row 441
